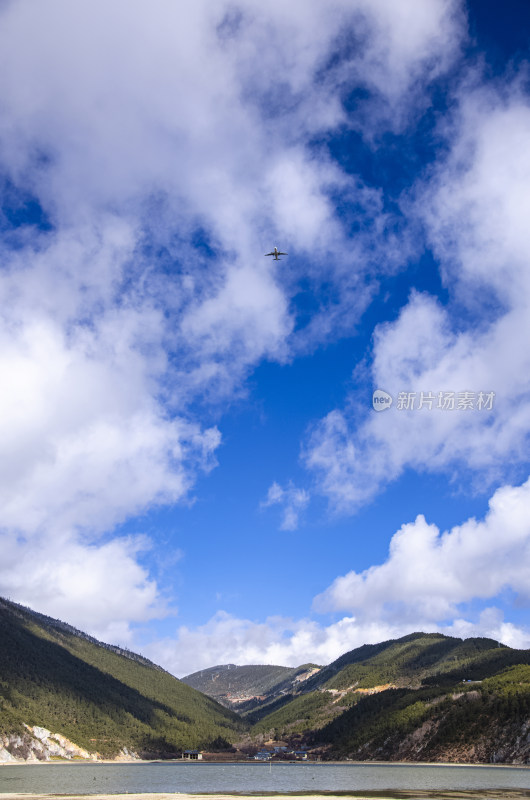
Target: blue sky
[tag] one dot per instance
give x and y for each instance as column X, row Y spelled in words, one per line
column 191, row 462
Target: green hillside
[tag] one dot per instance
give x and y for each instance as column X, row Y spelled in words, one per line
column 423, row 697
column 484, row 721
column 365, row 703
column 253, row 679
column 408, row 660
column 100, row 697
column 244, row 688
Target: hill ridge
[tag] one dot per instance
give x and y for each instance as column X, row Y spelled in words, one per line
column 420, row 697
column 95, row 696
column 66, row 627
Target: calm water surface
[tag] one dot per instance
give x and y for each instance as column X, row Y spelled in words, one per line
column 185, row 777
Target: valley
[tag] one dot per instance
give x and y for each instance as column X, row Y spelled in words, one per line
column 424, row 697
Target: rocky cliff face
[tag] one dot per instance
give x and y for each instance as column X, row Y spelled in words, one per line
column 507, row 744
column 40, row 744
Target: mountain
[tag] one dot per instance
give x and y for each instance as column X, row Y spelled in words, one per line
column 422, row 697
column 485, row 721
column 248, row 687
column 101, row 697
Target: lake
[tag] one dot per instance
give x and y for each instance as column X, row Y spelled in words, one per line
column 247, row 778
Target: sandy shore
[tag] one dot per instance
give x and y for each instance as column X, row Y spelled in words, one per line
column 198, row 764
column 504, row 794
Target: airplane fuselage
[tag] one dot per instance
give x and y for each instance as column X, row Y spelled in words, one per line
column 275, row 253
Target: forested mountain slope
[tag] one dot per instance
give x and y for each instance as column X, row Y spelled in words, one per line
column 485, row 721
column 249, row 686
column 100, row 697
column 422, row 697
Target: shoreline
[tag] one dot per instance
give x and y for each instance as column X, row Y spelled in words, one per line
column 345, row 763
column 418, row 794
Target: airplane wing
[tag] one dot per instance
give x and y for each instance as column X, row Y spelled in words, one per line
column 283, row 254
column 269, row 254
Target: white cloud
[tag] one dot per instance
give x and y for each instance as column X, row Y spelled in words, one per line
column 226, row 639
column 492, row 625
column 475, row 212
column 137, row 128
column 84, row 443
column 292, row 500
column 428, row 574
column 99, row 588
column 428, row 583
column 246, row 317
column 407, row 45
column 104, row 112
column 476, row 207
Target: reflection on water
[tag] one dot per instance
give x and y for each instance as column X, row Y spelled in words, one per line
column 248, row 778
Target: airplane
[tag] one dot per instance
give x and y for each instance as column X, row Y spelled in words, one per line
column 276, row 253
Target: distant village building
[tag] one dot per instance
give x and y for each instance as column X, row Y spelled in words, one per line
column 192, row 755
column 300, row 755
